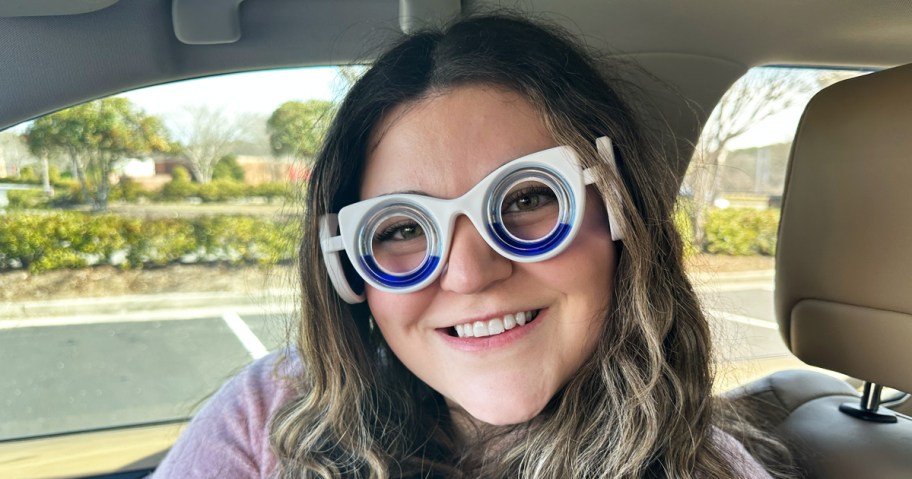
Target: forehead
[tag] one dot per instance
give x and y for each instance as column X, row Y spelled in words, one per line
column 444, row 144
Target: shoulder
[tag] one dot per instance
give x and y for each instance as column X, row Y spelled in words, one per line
column 742, row 462
column 230, row 434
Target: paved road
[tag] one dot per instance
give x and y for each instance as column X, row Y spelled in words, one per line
column 64, row 377
column 85, row 376
column 743, row 321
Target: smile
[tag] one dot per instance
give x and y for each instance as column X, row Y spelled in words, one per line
column 495, row 326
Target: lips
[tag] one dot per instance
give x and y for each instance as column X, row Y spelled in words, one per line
column 493, row 326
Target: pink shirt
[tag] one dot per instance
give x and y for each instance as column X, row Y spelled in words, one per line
column 229, row 437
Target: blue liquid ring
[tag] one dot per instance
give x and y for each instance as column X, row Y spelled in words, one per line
column 399, row 281
column 529, row 248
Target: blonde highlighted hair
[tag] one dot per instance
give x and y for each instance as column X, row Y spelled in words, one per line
column 641, row 406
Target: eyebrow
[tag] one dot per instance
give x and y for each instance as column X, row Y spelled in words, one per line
column 408, row 192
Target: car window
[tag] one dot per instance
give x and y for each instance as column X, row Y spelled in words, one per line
column 146, row 245
column 729, row 214
column 141, row 266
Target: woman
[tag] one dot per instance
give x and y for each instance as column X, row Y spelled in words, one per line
column 492, row 287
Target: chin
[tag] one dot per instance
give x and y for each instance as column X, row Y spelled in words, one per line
column 504, row 412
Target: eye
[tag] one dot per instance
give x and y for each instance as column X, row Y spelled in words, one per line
column 401, row 231
column 528, row 199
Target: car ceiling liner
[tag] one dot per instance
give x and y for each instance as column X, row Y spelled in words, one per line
column 41, row 8
column 415, row 14
column 213, row 22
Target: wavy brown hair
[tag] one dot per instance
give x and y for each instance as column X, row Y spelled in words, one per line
column 641, row 406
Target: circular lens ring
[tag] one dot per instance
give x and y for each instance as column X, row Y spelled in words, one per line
column 378, row 273
column 498, row 200
column 566, row 212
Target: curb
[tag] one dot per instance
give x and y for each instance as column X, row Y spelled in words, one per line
column 709, row 278
column 131, row 304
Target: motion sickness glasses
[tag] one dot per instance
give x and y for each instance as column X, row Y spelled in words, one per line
column 527, row 210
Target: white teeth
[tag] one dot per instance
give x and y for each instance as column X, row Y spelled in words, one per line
column 521, row 318
column 495, row 326
column 480, row 329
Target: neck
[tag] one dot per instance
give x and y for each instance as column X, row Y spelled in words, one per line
column 482, row 440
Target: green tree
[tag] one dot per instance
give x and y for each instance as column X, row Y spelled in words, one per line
column 180, row 187
column 95, row 135
column 296, row 128
column 228, row 168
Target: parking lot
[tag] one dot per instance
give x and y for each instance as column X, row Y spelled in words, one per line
column 109, row 365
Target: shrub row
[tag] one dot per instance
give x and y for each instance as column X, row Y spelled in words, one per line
column 684, row 225
column 69, row 192
column 212, row 192
column 741, row 231
column 56, row 240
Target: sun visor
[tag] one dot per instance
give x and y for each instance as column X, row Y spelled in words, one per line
column 206, row 22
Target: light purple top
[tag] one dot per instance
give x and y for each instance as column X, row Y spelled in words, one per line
column 229, row 437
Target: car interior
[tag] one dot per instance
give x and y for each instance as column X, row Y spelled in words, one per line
column 837, row 266
column 842, row 265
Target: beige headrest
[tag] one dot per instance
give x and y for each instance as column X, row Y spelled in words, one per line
column 844, row 258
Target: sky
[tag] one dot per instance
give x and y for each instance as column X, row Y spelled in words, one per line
column 255, row 92
column 237, row 94
column 262, row 92
column 778, row 128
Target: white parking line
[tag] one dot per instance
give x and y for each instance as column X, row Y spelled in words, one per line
column 737, row 318
column 727, row 287
column 250, row 341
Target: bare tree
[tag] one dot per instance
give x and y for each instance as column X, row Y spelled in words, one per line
column 758, row 95
column 346, row 77
column 210, row 134
column 255, row 140
column 14, row 154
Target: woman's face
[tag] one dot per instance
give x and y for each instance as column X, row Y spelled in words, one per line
column 442, row 146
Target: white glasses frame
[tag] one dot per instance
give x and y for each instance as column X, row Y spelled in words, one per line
column 438, row 217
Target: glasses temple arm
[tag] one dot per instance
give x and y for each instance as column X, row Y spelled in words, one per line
column 606, row 152
column 331, row 245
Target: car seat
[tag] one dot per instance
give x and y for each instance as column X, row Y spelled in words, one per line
column 843, row 295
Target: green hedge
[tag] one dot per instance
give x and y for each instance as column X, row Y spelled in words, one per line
column 684, row 225
column 218, row 191
column 42, row 242
column 23, row 199
column 741, row 231
column 69, row 193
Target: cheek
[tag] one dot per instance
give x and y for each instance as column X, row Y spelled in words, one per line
column 596, row 229
column 595, row 220
column 588, row 282
column 588, row 266
column 396, row 313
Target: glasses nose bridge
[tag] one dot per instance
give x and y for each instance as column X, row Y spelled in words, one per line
column 471, row 206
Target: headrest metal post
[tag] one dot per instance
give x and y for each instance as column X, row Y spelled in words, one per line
column 870, row 399
column 868, row 408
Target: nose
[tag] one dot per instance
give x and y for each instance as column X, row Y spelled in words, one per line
column 472, row 266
